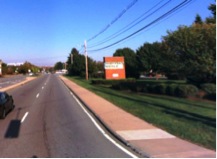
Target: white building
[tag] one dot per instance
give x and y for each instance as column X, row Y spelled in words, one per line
column 15, row 64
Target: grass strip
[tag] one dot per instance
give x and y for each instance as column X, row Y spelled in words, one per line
column 194, row 121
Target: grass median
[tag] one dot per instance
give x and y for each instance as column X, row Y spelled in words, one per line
column 194, row 121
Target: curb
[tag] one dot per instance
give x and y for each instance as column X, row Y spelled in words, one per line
column 108, row 128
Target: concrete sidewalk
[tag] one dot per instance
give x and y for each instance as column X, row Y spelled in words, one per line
column 146, row 139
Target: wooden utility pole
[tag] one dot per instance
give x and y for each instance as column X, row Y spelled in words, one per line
column 0, row 67
column 71, row 58
column 86, row 61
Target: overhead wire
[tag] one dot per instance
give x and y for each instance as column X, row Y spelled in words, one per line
column 131, row 24
column 180, row 5
column 176, row 11
column 114, row 20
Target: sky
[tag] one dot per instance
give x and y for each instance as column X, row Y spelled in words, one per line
column 44, row 32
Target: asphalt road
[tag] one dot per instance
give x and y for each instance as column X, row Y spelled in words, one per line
column 7, row 81
column 48, row 122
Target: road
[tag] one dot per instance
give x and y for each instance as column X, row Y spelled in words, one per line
column 48, row 122
column 4, row 82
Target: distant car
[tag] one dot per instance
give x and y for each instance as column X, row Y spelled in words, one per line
column 6, row 104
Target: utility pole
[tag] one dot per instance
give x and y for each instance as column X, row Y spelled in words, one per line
column 0, row 67
column 85, row 49
column 71, row 58
column 65, row 65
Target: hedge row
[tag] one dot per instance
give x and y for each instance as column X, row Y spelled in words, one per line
column 110, row 82
column 210, row 90
column 178, row 90
column 165, row 88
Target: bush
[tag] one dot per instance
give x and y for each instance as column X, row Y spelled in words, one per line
column 126, row 85
column 151, row 88
column 170, row 90
column 145, row 88
column 160, row 89
column 174, row 89
column 192, row 90
column 210, row 90
column 201, row 78
column 105, row 82
column 186, row 90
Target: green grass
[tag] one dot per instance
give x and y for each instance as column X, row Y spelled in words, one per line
column 191, row 120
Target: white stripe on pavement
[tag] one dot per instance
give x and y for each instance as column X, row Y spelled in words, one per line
column 37, row 95
column 24, row 117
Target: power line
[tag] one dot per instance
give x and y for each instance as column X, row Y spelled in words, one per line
column 114, row 20
column 176, row 11
column 182, row 4
column 131, row 24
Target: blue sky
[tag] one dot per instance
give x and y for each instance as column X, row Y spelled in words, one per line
column 43, row 32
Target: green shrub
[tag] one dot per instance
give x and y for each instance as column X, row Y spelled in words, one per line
column 170, row 90
column 186, row 90
column 192, row 90
column 127, row 84
column 210, row 90
column 119, row 87
column 98, row 81
column 181, row 91
column 151, row 88
column 145, row 88
column 160, row 89
column 108, row 82
column 174, row 89
column 209, row 87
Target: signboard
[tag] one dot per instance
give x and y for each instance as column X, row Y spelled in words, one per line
column 114, row 67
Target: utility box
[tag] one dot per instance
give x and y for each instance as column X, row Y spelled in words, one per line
column 114, row 67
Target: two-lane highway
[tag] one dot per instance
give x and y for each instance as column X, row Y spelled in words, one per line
column 48, row 122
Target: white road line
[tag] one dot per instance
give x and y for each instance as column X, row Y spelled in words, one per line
column 101, row 130
column 37, row 95
column 42, row 88
column 24, row 117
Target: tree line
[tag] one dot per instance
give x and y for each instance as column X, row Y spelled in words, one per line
column 186, row 53
column 25, row 68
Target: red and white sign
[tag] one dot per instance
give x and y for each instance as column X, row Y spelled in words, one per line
column 114, row 67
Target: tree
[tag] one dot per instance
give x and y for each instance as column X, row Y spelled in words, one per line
column 131, row 64
column 76, row 64
column 198, row 19
column 4, row 68
column 194, row 48
column 58, row 66
column 99, row 73
column 149, row 57
column 26, row 67
column 212, row 19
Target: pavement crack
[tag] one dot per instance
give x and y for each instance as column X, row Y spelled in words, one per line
column 46, row 143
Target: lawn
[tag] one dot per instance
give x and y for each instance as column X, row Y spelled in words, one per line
column 194, row 121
